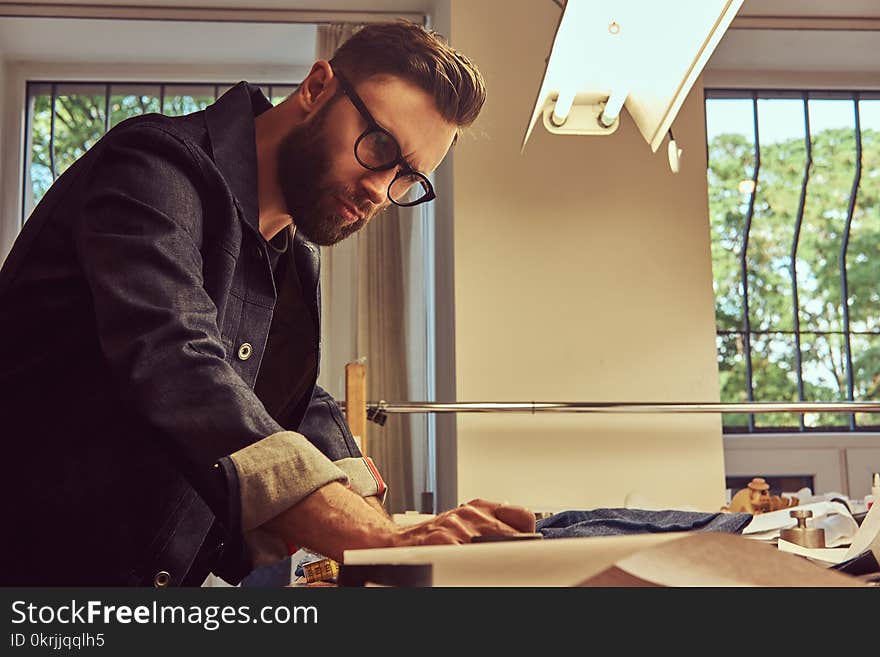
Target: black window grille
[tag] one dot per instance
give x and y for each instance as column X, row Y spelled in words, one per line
column 794, row 204
column 64, row 119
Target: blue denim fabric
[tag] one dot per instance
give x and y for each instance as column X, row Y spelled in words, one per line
column 609, row 522
column 276, row 575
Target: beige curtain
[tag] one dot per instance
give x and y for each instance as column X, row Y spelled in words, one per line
column 331, row 36
column 364, row 317
column 382, row 340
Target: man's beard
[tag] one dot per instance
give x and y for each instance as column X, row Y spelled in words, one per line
column 303, row 167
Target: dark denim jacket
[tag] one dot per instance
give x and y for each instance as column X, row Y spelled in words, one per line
column 123, row 305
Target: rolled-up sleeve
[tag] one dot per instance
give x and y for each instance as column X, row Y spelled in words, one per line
column 268, row 473
column 277, row 472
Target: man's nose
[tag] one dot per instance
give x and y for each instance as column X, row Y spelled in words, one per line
column 376, row 183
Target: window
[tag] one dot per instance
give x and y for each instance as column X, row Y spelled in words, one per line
column 65, row 119
column 794, row 204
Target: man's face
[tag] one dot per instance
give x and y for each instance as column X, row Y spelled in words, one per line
column 327, row 191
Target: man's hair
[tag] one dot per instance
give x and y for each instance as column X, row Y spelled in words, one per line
column 411, row 52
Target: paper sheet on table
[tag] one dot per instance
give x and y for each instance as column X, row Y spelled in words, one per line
column 714, row 559
column 662, row 559
column 556, row 562
column 839, row 525
column 827, row 556
column 867, row 536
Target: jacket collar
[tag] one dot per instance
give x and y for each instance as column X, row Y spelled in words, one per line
column 230, row 123
column 307, row 259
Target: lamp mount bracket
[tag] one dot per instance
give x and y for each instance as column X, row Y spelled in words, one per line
column 582, row 119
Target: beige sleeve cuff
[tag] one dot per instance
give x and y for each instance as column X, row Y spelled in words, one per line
column 363, row 480
column 277, row 472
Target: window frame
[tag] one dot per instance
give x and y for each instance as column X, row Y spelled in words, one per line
column 15, row 122
column 216, row 89
column 805, row 95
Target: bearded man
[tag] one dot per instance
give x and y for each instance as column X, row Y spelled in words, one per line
column 161, row 321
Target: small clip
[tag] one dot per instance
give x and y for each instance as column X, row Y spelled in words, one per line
column 377, row 414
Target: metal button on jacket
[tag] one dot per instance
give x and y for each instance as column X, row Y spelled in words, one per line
column 161, row 579
column 245, row 351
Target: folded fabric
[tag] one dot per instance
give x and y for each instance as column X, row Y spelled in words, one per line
column 609, row 522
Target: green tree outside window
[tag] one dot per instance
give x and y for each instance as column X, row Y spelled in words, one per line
column 57, row 139
column 819, row 323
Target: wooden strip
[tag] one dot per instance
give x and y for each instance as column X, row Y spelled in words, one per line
column 356, row 402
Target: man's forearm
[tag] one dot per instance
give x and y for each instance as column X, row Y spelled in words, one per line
column 334, row 519
column 376, row 503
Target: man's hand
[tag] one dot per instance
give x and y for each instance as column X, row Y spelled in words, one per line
column 460, row 525
column 334, row 519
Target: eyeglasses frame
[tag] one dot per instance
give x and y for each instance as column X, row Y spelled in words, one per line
column 374, row 126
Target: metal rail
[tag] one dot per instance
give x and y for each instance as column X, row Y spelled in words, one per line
column 377, row 411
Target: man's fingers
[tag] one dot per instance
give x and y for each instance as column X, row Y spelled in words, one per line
column 486, row 523
column 438, row 537
column 518, row 517
column 475, row 518
column 456, row 527
column 480, row 503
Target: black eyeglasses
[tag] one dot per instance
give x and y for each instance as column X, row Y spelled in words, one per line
column 377, row 150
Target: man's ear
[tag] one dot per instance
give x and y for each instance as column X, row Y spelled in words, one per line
column 317, row 87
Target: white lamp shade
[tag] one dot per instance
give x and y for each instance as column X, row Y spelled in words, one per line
column 650, row 50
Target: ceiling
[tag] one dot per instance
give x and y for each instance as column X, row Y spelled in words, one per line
column 793, row 50
column 75, row 31
column 330, row 5
column 822, row 8
column 163, row 42
column 155, row 42
column 751, row 7
column 815, row 49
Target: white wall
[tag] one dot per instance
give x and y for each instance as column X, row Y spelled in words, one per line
column 582, row 273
